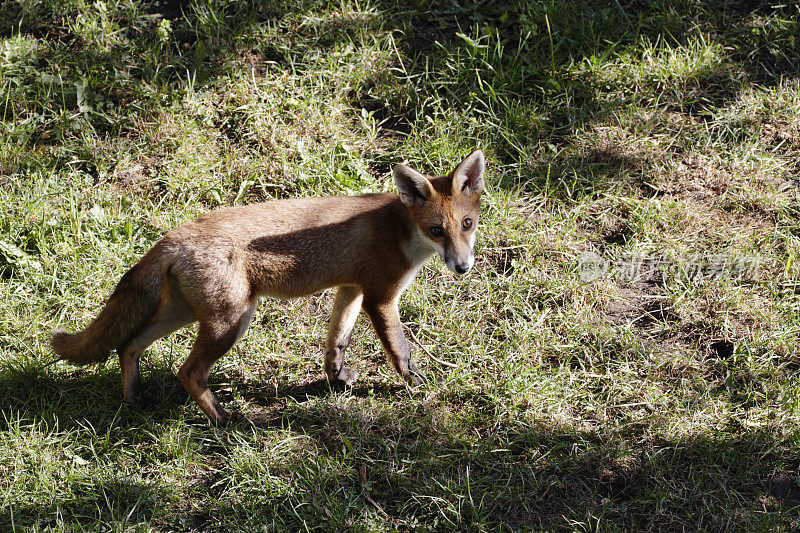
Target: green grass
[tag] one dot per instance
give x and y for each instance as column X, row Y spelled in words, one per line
column 655, row 129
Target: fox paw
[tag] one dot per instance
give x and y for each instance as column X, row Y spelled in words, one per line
column 414, row 378
column 345, row 377
column 235, row 417
column 228, row 419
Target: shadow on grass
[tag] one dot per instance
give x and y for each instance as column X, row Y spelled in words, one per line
column 423, row 461
column 101, row 498
column 268, row 396
column 91, row 395
column 425, row 464
column 545, row 61
column 536, row 44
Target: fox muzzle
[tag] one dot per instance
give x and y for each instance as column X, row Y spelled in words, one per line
column 460, row 265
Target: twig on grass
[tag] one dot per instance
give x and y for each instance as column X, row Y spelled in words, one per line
column 427, row 352
column 362, row 477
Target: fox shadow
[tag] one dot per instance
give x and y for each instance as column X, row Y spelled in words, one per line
column 94, row 396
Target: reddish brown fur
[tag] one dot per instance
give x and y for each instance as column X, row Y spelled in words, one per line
column 213, row 270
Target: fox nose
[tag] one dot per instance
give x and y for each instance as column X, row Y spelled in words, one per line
column 461, row 268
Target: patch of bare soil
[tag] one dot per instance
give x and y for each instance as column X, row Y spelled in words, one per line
column 138, row 171
column 167, row 9
column 779, row 132
column 643, row 308
column 499, row 260
column 785, row 487
column 640, row 304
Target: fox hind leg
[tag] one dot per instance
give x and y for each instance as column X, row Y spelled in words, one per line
column 214, row 339
column 173, row 313
column 343, row 319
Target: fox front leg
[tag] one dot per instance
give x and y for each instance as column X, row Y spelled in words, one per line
column 343, row 318
column 385, row 319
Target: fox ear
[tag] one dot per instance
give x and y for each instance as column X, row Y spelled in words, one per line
column 468, row 175
column 414, row 188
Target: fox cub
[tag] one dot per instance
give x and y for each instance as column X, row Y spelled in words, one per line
column 214, row 269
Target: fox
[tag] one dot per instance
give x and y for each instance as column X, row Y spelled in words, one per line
column 214, row 269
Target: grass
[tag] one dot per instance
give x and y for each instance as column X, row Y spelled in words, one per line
column 635, row 131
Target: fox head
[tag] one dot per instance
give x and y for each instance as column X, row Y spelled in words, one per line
column 445, row 209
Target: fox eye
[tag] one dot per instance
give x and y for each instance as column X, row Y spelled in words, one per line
column 437, row 231
column 466, row 223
